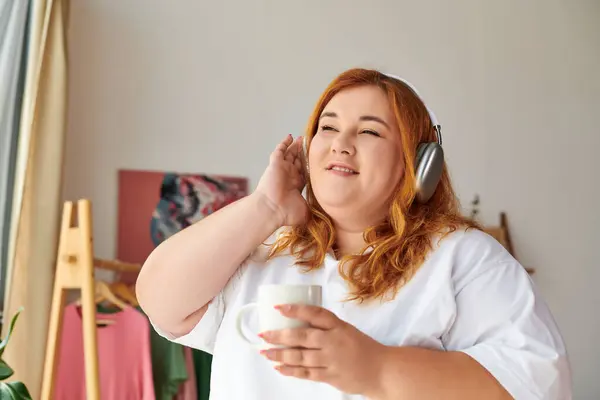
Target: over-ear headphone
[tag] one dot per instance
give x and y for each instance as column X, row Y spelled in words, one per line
column 429, row 160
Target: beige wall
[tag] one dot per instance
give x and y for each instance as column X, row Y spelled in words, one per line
column 210, row 87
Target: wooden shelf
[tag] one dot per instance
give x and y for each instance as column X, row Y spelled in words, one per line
column 502, row 234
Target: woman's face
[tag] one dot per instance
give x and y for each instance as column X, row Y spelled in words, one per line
column 355, row 157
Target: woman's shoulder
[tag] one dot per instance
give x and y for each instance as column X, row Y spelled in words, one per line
column 470, row 242
column 472, row 252
column 259, row 260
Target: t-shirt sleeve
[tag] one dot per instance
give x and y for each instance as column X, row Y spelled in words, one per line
column 503, row 323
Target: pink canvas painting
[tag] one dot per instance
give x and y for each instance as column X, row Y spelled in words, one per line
column 154, row 205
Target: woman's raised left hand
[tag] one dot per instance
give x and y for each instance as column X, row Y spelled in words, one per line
column 330, row 351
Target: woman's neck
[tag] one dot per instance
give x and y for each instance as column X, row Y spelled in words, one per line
column 348, row 242
column 350, row 234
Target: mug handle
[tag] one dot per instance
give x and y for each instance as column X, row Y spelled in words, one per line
column 240, row 322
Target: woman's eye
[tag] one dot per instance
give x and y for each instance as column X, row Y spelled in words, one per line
column 370, row 132
column 326, row 128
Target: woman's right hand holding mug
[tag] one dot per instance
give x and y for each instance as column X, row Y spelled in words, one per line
column 282, row 182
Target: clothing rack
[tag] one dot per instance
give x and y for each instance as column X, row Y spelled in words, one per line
column 75, row 266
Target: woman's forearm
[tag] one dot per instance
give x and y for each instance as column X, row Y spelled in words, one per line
column 187, row 270
column 418, row 373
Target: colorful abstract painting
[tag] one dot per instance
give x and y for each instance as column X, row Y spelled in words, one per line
column 155, row 205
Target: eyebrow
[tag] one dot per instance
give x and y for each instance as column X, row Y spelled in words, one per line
column 362, row 118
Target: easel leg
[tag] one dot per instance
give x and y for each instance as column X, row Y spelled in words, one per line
column 88, row 303
column 53, row 343
column 90, row 347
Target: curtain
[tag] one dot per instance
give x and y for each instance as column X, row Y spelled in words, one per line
column 13, row 19
column 37, row 190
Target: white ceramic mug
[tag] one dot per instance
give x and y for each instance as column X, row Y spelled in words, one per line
column 270, row 318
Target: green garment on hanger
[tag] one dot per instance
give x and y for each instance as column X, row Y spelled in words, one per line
column 168, row 366
column 202, row 364
column 169, row 370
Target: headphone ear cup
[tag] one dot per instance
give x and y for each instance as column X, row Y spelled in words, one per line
column 420, row 151
column 428, row 169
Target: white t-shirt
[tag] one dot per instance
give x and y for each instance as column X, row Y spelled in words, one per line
column 470, row 295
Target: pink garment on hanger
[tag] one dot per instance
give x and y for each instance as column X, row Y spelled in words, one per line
column 188, row 390
column 124, row 360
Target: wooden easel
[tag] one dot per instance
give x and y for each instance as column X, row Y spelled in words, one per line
column 75, row 270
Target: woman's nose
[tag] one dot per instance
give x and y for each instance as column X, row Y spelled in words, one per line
column 342, row 144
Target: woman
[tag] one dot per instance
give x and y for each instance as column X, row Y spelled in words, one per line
column 420, row 303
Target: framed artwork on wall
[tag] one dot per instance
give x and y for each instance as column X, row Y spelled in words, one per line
column 154, row 205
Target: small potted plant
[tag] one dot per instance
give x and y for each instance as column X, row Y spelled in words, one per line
column 10, row 390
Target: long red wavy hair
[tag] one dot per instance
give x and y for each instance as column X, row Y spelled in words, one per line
column 395, row 248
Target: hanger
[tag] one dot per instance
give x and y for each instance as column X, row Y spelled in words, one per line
column 125, row 292
column 104, row 293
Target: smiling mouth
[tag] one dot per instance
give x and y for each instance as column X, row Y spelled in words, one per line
column 342, row 169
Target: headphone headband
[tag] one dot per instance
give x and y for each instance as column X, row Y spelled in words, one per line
column 436, row 125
